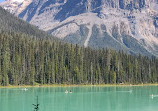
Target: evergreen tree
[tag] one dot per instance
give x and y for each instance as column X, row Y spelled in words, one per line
column 29, row 60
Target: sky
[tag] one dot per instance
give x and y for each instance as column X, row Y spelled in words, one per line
column 13, row 0
column 1, row 0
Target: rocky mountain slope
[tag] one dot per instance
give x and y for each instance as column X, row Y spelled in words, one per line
column 10, row 23
column 131, row 25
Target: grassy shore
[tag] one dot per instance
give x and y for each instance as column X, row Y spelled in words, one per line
column 80, row 85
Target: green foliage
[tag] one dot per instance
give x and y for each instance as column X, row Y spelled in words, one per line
column 30, row 60
column 10, row 23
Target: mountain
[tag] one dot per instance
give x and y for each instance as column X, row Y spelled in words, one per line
column 27, row 57
column 10, row 23
column 129, row 25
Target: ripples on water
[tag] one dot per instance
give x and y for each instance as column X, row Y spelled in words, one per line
column 81, row 99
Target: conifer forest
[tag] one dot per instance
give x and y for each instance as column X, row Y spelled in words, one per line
column 30, row 60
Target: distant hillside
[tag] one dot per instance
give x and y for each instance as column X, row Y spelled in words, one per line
column 9, row 22
column 129, row 25
column 26, row 59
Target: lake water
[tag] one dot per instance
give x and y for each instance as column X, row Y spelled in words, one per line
column 134, row 98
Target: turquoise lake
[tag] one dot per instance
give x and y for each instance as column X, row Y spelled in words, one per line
column 131, row 98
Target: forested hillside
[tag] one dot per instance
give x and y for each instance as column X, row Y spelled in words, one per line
column 9, row 22
column 128, row 25
column 29, row 56
column 30, row 60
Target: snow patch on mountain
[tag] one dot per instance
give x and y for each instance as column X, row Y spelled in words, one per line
column 20, row 1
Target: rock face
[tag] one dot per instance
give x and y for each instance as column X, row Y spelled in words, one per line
column 129, row 25
column 15, row 6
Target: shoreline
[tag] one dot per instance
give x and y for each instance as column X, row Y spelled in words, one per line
column 80, row 85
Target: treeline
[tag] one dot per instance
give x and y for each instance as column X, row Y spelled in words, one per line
column 31, row 60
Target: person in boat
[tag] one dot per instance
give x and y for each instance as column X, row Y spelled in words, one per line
column 66, row 91
column 25, row 89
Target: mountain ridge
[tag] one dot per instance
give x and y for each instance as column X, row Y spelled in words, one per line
column 95, row 23
column 14, row 24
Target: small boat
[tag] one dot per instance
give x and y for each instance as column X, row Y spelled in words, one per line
column 154, row 96
column 24, row 89
column 66, row 92
column 151, row 95
column 70, row 91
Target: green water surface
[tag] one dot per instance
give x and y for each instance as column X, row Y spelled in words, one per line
column 134, row 98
